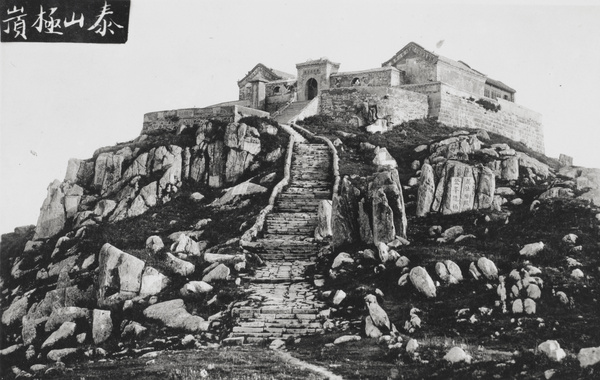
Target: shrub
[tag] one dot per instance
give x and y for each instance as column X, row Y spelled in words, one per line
column 488, row 105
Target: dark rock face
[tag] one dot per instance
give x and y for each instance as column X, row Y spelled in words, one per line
column 375, row 214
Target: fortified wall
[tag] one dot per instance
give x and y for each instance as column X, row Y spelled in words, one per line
column 460, row 109
column 170, row 121
column 414, row 84
column 395, row 105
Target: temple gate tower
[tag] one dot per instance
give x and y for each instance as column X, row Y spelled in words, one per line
column 313, row 77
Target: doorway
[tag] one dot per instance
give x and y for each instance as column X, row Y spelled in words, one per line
column 312, row 89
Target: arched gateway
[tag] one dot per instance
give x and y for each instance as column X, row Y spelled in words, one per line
column 312, row 89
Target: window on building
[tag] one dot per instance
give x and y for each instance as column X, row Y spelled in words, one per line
column 356, row 82
column 276, row 90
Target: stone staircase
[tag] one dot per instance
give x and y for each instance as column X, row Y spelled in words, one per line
column 282, row 303
column 289, row 114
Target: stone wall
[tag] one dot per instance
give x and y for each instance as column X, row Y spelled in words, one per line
column 512, row 120
column 384, row 76
column 168, row 121
column 418, row 69
column 345, row 104
column 459, row 78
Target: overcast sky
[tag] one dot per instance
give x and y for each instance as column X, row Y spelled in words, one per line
column 66, row 100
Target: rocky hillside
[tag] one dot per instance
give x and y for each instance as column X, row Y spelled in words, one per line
column 421, row 252
column 155, row 219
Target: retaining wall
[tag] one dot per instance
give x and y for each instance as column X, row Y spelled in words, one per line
column 513, row 121
column 168, row 121
column 399, row 105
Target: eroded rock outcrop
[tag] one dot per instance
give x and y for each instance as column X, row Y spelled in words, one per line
column 374, row 214
column 460, row 174
column 124, row 183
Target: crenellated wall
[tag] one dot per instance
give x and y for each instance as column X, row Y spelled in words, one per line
column 395, row 104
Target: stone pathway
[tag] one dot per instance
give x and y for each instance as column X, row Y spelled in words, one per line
column 282, row 302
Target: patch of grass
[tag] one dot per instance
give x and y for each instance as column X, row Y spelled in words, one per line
column 242, row 363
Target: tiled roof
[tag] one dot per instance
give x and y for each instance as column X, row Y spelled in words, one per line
column 500, row 85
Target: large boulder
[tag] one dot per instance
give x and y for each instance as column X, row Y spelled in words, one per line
column 384, row 230
column 557, row 192
column 220, row 272
column 426, row 190
column 155, row 244
column 144, row 200
column 422, row 281
column 364, row 223
column 174, row 315
column 510, row 168
column 16, row 311
column 138, row 167
column 119, row 275
column 237, row 163
column 457, row 354
column 452, row 187
column 531, row 249
column 488, row 268
column 179, row 266
column 242, row 189
column 104, row 207
column 341, row 259
column 153, row 282
column 344, row 217
column 52, row 213
column 324, row 231
column 107, row 171
column 588, row 356
column 384, row 159
column 64, row 332
column 62, row 354
column 552, row 350
column 102, row 325
column 186, row 245
column 196, row 287
column 61, row 315
column 216, row 164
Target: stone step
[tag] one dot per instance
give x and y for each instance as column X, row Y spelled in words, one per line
column 282, row 223
column 287, row 223
column 303, row 192
column 320, row 185
column 312, row 159
column 281, row 323
column 290, row 230
column 313, row 149
column 300, row 146
column 283, row 243
column 292, row 216
column 291, row 226
column 292, row 206
column 274, row 312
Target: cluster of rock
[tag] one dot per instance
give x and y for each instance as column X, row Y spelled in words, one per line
column 80, row 298
column 583, row 181
column 460, row 173
column 90, row 298
column 373, row 215
column 115, row 185
column 521, row 289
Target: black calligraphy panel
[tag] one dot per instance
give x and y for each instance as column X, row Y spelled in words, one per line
column 85, row 21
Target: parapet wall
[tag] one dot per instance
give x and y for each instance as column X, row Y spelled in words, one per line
column 396, row 104
column 382, row 76
column 511, row 120
column 168, row 121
